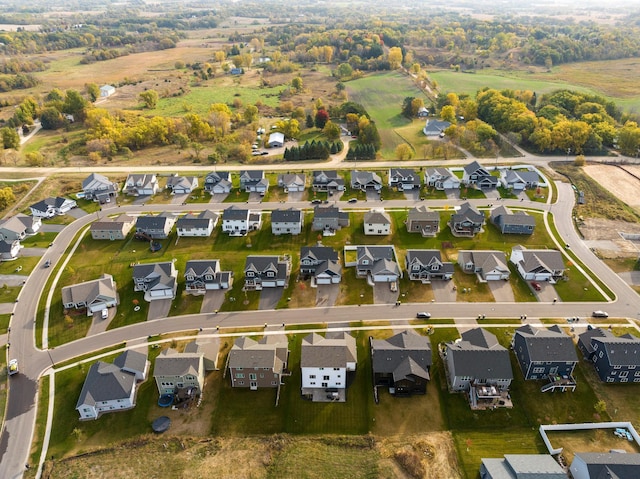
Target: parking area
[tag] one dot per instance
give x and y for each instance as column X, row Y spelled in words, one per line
column 412, row 195
column 327, row 294
column 212, row 301
column 443, row 291
column 159, row 308
column 547, row 293
column 502, row 291
column 269, row 297
column 179, row 199
column 294, row 196
column 218, row 197
column 382, row 294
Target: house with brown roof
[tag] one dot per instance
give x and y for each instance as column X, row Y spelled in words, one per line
column 112, row 229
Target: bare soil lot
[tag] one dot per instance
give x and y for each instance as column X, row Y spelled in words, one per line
column 618, row 181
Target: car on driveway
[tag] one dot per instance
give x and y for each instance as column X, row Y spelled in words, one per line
column 423, row 315
column 600, row 314
column 535, row 285
column 104, row 314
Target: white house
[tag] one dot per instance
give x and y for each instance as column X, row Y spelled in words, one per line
column 538, row 265
column 441, row 179
column 107, row 91
column 287, row 221
column 201, row 224
column 238, row 222
column 276, row 140
column 326, row 361
column 50, row 207
column 377, row 222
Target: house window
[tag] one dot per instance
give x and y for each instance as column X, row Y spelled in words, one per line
column 326, row 378
column 538, row 370
column 312, row 376
column 637, row 374
column 324, row 385
column 238, row 369
column 617, row 367
column 601, row 354
column 274, row 383
column 249, row 274
column 240, row 375
column 240, row 383
column 336, row 369
column 636, row 380
column 624, row 374
column 252, row 376
column 208, row 277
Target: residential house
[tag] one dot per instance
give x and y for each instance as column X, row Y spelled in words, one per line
column 326, row 361
column 107, row 91
column 474, row 174
column 520, row 222
column 50, row 207
column 522, row 466
column 478, row 360
column 377, row 222
column 236, row 71
column 238, row 222
column 180, row 373
column 467, row 221
column 141, row 185
column 218, row 182
column 99, row 188
column 327, row 181
column 379, row 264
column 292, row 182
column 422, row 112
column 157, row 280
column 112, row 387
column 365, row 180
column 605, row 465
column 488, row 265
column 424, row 221
column 538, row 264
column 615, row 358
column 544, row 353
column 112, row 228
column 329, row 219
column 201, row 224
column 426, row 265
column 266, row 271
column 204, row 275
column 9, row 249
column 182, row 185
column 94, row 296
column 18, row 227
column 322, row 263
column 253, row 181
column 258, row 364
column 404, row 179
column 441, row 179
column 435, row 127
column 276, row 140
column 519, row 180
column 289, row 221
column 401, row 363
column 155, row 226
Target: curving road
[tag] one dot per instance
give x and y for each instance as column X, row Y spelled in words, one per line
column 17, row 432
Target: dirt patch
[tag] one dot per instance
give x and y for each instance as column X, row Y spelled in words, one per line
column 604, row 237
column 618, row 180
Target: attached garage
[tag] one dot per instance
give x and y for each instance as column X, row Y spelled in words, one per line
column 493, row 276
column 269, row 284
column 385, row 278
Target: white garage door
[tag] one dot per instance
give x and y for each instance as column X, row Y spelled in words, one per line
column 493, row 277
column 163, row 293
column 323, row 280
column 380, row 278
column 268, row 284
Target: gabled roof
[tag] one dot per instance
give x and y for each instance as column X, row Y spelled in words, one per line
column 378, row 217
column 467, row 212
column 435, row 127
column 112, row 224
column 145, row 180
column 328, row 212
column 184, row 182
column 289, row 215
column 158, row 272
column 330, row 175
column 96, row 180
column 270, row 352
column 364, row 177
column 131, row 361
column 524, row 466
column 387, row 355
column 620, row 350
column 277, row 137
column 108, row 382
column 422, row 213
column 292, row 178
column 335, row 350
column 200, row 267
column 475, row 167
column 479, row 355
column 319, row 253
column 152, row 222
column 251, row 175
column 233, row 214
column 527, row 177
column 439, row 171
column 262, row 264
column 18, row 223
column 172, row 363
column 202, row 220
column 517, row 218
column 609, row 465
column 215, row 176
column 547, row 344
column 89, row 291
column 486, row 260
column 50, row 202
column 541, row 259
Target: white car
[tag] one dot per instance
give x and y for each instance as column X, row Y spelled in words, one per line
column 423, row 315
column 12, row 367
column 600, row 314
column 104, row 314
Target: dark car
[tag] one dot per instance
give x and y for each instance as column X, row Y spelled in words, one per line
column 352, row 200
column 47, row 263
column 535, row 285
column 316, row 202
column 423, row 315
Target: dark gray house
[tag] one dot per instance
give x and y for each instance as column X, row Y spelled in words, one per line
column 328, row 181
column 519, row 223
column 426, row 265
column 99, row 188
column 218, row 182
column 616, row 358
column 467, row 221
column 253, row 181
column 475, row 174
column 402, row 363
column 545, row 353
column 155, row 226
column 605, row 465
column 266, row 272
column 322, row 263
column 424, row 221
column 203, row 275
column 329, row 219
column 403, row 179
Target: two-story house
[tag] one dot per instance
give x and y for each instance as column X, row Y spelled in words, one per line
column 426, row 265
column 379, row 264
column 177, row 373
column 141, row 185
column 377, row 222
column 238, row 221
column 287, row 222
column 474, row 174
column 254, row 181
column 202, row 275
column 322, row 263
column 538, row 264
column 266, row 271
column 488, row 265
column 258, row 364
column 520, row 222
column 329, row 219
column 365, row 180
column 97, row 187
column 403, row 179
column 441, row 179
column 218, row 182
column 9, row 249
column 201, row 224
column 467, row 221
column 157, row 280
column 112, row 228
column 182, row 185
column 424, row 221
column 155, row 226
column 327, row 181
column 292, row 182
column 616, row 359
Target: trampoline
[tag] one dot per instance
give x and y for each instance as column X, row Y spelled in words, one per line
column 161, row 424
column 165, row 400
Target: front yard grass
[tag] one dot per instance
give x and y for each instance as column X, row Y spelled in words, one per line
column 39, row 240
column 26, row 264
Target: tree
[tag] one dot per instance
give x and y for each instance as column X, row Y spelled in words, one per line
column 34, row 158
column 10, row 138
column 404, row 152
column 448, row 113
column 296, row 83
column 197, row 149
column 179, row 65
column 344, row 71
column 75, row 105
column 298, row 114
column 6, row 197
column 416, row 104
column 309, row 121
column 290, row 128
column 406, row 107
column 51, row 119
column 321, row 118
column 149, row 98
column 250, row 113
column 331, row 131
column 93, row 90
column 395, row 57
column 580, row 160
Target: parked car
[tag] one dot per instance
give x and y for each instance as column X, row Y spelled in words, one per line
column 600, row 314
column 12, row 367
column 535, row 285
column 104, row 314
column 423, row 315
column 352, row 200
column 316, row 202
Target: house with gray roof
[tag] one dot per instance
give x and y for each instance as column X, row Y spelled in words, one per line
column 179, row 373
column 441, row 179
column 605, row 465
column 488, row 265
column 292, row 182
column 379, row 264
column 403, row 179
column 466, row 221
column 545, row 353
column 112, row 387
column 182, row 185
column 522, row 466
column 518, row 180
column 97, row 187
column 201, row 225
column 50, row 207
column 202, row 275
column 426, row 265
column 18, row 227
column 326, row 361
column 116, row 228
column 616, row 359
column 266, row 271
column 329, row 219
column 424, row 221
column 365, row 180
column 478, row 361
column 9, row 249
column 435, row 127
column 155, row 226
column 327, row 181
column 94, row 296
column 157, row 280
column 254, row 181
column 401, row 363
column 287, row 221
column 520, row 222
column 240, row 221
column 538, row 264
column 258, row 364
column 474, row 174
column 141, row 185
column 218, row 182
column 322, row 263
column 377, row 222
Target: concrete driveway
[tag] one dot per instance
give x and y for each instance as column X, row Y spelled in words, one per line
column 159, row 308
column 443, row 291
column 452, row 193
column 45, row 228
column 255, row 197
column 373, row 195
column 99, row 325
column 327, row 294
column 12, row 279
column 212, row 300
column 218, row 197
column 77, row 213
column 179, row 199
column 502, row 291
column 269, row 297
column 547, row 292
column 140, row 200
column 413, row 194
column 382, row 294
column 295, row 196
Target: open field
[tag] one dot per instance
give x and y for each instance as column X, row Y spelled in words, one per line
column 619, row 181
